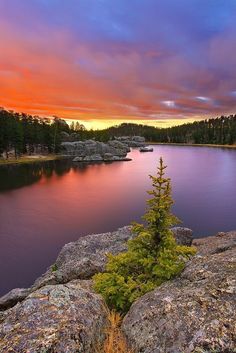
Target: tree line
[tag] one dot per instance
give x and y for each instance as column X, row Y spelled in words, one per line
column 221, row 130
column 27, row 134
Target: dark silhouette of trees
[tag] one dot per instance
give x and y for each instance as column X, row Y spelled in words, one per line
column 26, row 134
column 220, row 131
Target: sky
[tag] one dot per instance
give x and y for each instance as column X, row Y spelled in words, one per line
column 104, row 62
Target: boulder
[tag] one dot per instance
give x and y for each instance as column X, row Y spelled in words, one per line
column 196, row 312
column 108, row 157
column 62, row 319
column 88, row 255
column 81, row 260
column 132, row 141
column 14, row 296
column 183, row 236
column 90, row 150
column 84, row 257
column 216, row 244
column 74, row 148
column 93, row 158
column 118, row 148
column 78, row 159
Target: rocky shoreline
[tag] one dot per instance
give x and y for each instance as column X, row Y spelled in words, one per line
column 95, row 151
column 61, row 313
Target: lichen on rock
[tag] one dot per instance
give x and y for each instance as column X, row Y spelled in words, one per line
column 194, row 313
column 61, row 318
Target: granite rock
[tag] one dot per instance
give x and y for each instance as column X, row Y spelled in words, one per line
column 196, row 312
column 67, row 318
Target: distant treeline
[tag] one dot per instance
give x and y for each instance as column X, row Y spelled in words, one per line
column 26, row 134
column 220, row 131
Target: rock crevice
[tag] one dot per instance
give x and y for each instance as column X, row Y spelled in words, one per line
column 194, row 313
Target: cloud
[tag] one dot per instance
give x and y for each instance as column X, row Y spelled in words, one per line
column 169, row 104
column 203, row 99
column 100, row 60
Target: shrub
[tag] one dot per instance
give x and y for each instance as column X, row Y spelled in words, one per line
column 153, row 256
column 54, row 268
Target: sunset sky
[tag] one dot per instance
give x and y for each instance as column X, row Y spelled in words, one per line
column 103, row 62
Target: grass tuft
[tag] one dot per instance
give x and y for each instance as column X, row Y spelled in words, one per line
column 115, row 341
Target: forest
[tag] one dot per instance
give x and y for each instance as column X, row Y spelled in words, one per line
column 219, row 131
column 26, row 134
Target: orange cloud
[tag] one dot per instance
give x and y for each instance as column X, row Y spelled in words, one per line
column 54, row 73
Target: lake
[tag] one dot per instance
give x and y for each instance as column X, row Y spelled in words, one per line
column 43, row 206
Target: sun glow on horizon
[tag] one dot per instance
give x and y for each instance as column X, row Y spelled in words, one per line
column 97, row 63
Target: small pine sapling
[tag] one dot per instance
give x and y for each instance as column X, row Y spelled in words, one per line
column 153, row 256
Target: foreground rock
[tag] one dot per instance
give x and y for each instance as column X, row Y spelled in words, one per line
column 215, row 244
column 94, row 151
column 183, row 236
column 62, row 319
column 83, row 258
column 194, row 313
column 13, row 297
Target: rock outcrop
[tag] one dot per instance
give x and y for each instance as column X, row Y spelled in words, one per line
column 84, row 257
column 93, row 151
column 183, row 236
column 216, row 244
column 67, row 318
column 194, row 313
column 13, row 297
column 132, row 141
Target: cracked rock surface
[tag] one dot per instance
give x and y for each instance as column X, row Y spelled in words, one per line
column 196, row 312
column 66, row 318
column 85, row 257
column 60, row 313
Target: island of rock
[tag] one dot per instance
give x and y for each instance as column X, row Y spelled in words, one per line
column 95, row 151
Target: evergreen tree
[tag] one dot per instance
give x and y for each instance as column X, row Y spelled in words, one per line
column 153, row 256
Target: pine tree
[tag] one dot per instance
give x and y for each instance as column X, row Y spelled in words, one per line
column 153, row 256
column 158, row 216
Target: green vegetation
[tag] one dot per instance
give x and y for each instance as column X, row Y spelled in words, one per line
column 218, row 131
column 54, row 268
column 153, row 256
column 22, row 134
column 26, row 134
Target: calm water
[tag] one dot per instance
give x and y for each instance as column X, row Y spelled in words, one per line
column 42, row 207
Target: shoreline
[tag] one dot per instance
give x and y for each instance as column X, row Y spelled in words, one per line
column 31, row 159
column 51, row 157
column 191, row 144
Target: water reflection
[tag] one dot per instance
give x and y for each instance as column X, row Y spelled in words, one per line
column 44, row 206
column 17, row 176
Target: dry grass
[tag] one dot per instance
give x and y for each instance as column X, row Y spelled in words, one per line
column 115, row 341
column 29, row 159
